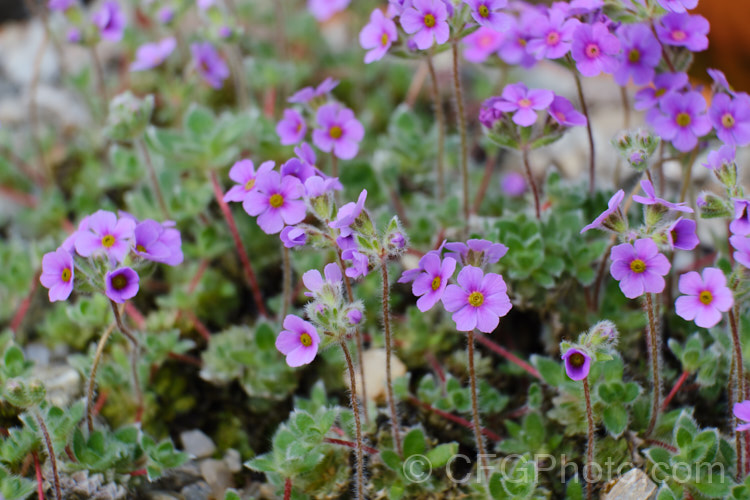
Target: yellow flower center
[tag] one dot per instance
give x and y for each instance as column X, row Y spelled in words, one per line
column 436, row 282
column 384, row 39
column 429, row 20
column 522, row 42
column 727, row 120
column 576, row 359
column 683, row 119
column 476, row 299
column 637, row 266
column 140, row 248
column 119, row 282
column 335, row 132
column 276, row 200
column 305, row 339
column 660, row 92
column 706, row 297
column 66, row 275
column 634, row 55
column 484, row 11
column 249, row 184
column 108, row 241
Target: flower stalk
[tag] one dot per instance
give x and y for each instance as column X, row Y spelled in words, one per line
column 135, row 347
column 354, row 401
column 92, row 377
column 50, row 453
column 461, row 118
column 440, row 124
column 478, row 436
column 389, row 352
column 590, row 444
column 652, row 335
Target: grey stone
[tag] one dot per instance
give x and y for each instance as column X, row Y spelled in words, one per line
column 233, row 460
column 38, row 353
column 197, row 444
column 217, row 475
column 633, row 485
column 161, row 495
column 63, row 383
column 197, row 491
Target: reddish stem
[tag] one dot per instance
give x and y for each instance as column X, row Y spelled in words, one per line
column 436, row 366
column 135, row 315
column 198, row 275
column 246, row 266
column 139, row 472
column 69, row 452
column 288, row 489
column 185, row 359
column 674, row 390
column 509, row 356
column 100, row 402
column 350, row 444
column 454, row 418
column 23, row 307
column 199, row 326
column 661, row 444
column 39, row 480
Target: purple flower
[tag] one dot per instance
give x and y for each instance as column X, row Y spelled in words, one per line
column 641, row 53
column 244, row 174
column 339, row 131
column 516, row 97
column 563, row 112
column 348, row 213
column 608, row 218
column 308, row 93
column 652, row 199
column 594, row 49
column 151, row 55
column 73, row 35
column 354, row 316
column 360, row 263
column 291, row 129
column 298, row 168
column 639, row 268
column 205, row 4
column 488, row 113
column 121, row 284
column 514, row 49
column 478, row 301
column 664, row 83
column 323, row 10
column 722, row 157
column 298, row 341
column 682, row 234
column 720, row 81
column 276, row 201
column 476, row 252
column 58, row 271
column 105, row 234
column 61, row 5
column 513, row 184
column 110, row 20
column 678, row 5
column 165, row 14
column 683, row 30
column 731, row 118
column 487, row 13
column 430, row 284
column 427, row 21
column 682, row 120
column 577, row 363
column 741, row 245
column 742, row 412
column 705, row 298
column 396, row 7
column 398, row 240
column 158, row 242
column 580, row 7
column 377, row 36
column 741, row 223
column 292, row 236
column 552, row 35
column 481, row 44
column 314, row 281
column 209, row 64
column 318, row 186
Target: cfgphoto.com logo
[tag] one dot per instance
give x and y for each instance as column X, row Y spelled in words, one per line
column 419, row 468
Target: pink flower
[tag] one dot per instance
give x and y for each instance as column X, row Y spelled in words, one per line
column 314, row 281
column 121, row 284
column 524, row 102
column 427, row 20
column 705, row 297
column 430, row 285
column 323, row 10
column 639, row 268
column 741, row 245
column 652, row 199
column 478, row 301
column 298, row 341
column 339, row 131
column 244, row 174
column 291, row 128
column 610, row 218
column 58, row 271
column 482, row 44
column 595, row 49
column 151, row 55
column 348, row 213
column 276, row 201
column 377, row 36
column 487, row 13
column 158, row 242
column 577, row 363
column 110, row 20
column 104, row 234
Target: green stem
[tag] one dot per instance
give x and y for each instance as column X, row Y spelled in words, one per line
column 653, row 341
column 462, row 130
column 359, row 489
column 590, row 443
column 478, row 436
column 388, row 353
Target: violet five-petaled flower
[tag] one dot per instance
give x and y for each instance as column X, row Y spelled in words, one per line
column 663, row 85
column 158, row 242
column 244, row 174
column 742, row 412
column 430, row 284
column 151, row 55
column 524, row 102
column 478, row 301
column 105, row 234
column 723, row 157
column 121, row 284
column 641, row 53
column 110, row 20
column 276, row 201
column 683, row 30
column 595, row 49
column 314, row 281
column 741, row 223
column 323, row 10
column 427, row 20
column 552, row 35
column 298, row 341
column 564, row 113
column 487, row 13
column 639, row 268
column 377, row 36
column 211, row 67
column 349, row 212
column 58, row 273
column 577, row 363
column 291, row 128
column 682, row 234
column 481, row 44
column 731, row 118
column 338, row 131
column 706, row 296
column 682, row 120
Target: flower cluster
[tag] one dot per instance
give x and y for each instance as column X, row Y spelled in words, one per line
column 596, row 344
column 104, row 253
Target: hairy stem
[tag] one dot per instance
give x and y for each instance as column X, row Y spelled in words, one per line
column 680, row 381
column 92, row 377
column 461, row 118
column 388, row 353
column 359, row 490
column 478, row 436
column 288, row 489
column 287, row 284
column 244, row 260
column 739, row 381
column 100, row 82
column 50, row 453
column 590, row 443
column 154, row 179
column 532, row 182
column 39, row 479
column 440, row 124
column 589, row 131
column 653, row 341
column 135, row 347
